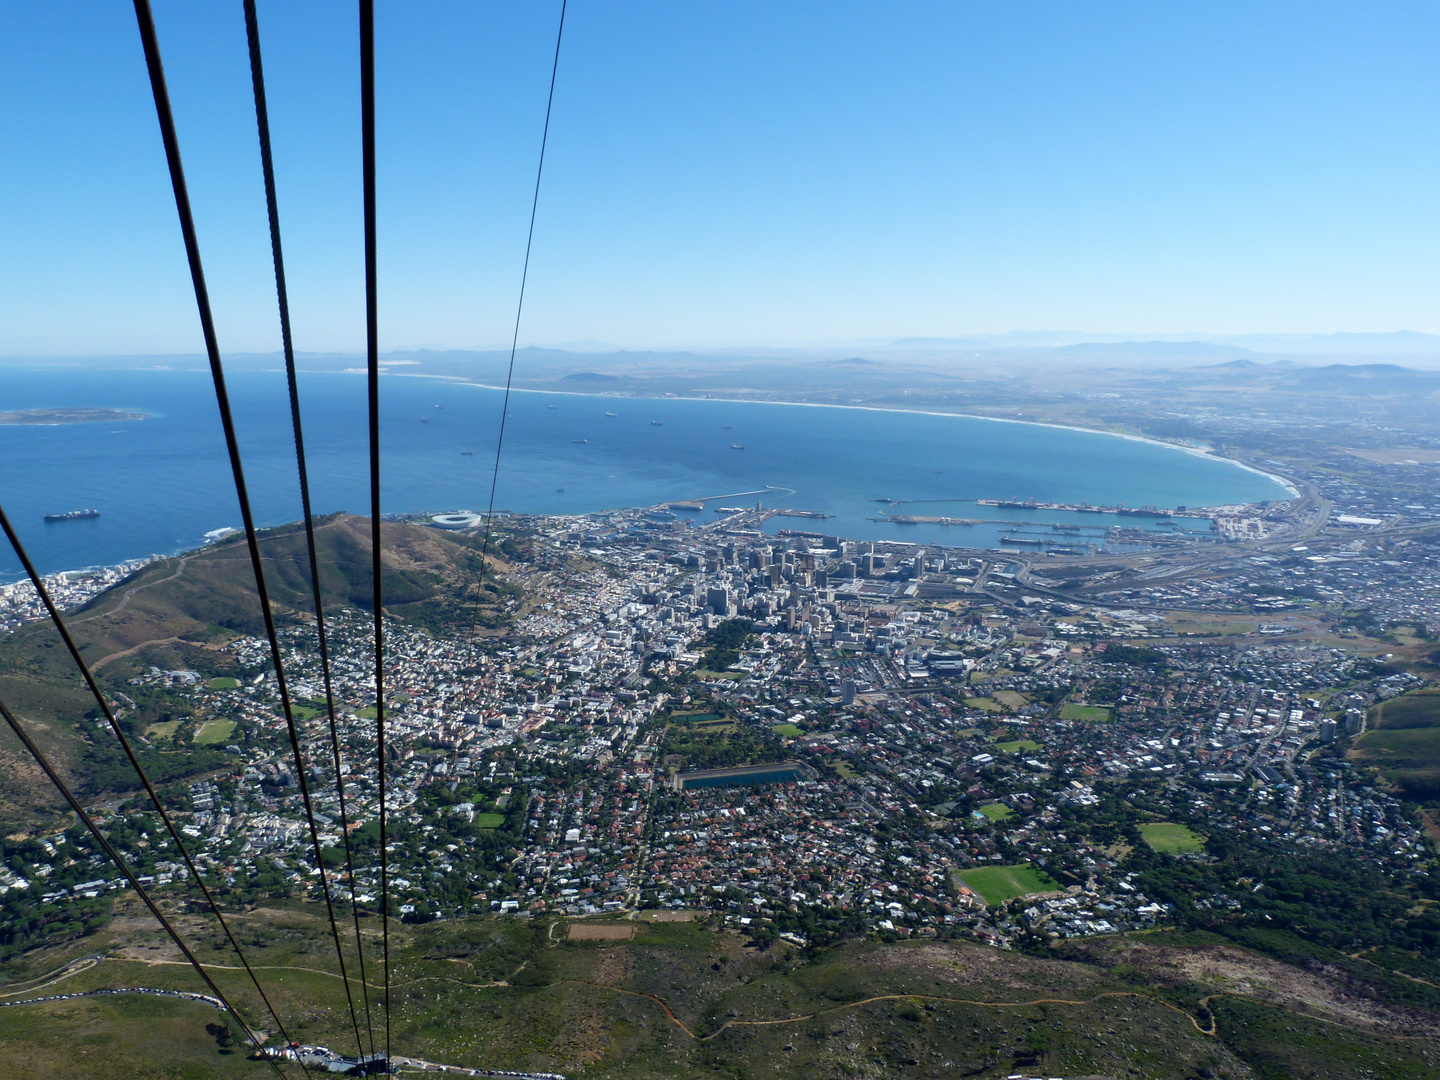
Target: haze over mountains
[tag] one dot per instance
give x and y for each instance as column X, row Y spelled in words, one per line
column 1064, row 349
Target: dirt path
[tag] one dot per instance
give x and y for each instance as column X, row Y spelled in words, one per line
column 98, row 664
column 1208, row 1030
column 74, row 967
column 902, row 997
column 1360, row 956
column 184, row 559
column 314, row 971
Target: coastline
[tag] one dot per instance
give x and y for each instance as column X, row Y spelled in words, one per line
column 1283, row 482
column 1209, row 455
column 181, row 540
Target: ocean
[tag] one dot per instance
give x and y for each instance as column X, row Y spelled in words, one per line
column 162, row 483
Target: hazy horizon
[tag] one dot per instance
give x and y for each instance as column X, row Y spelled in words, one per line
column 1401, row 346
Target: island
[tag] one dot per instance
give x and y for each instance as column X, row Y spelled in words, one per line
column 67, row 416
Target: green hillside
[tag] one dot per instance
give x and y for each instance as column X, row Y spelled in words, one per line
column 174, row 612
column 638, row 998
column 1404, row 743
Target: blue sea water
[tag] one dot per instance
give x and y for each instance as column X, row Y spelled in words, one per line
column 161, row 483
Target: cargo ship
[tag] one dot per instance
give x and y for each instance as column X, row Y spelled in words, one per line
column 73, row 515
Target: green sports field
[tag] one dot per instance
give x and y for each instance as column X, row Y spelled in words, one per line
column 1075, row 711
column 1171, row 839
column 996, row 884
column 214, row 732
column 1016, row 745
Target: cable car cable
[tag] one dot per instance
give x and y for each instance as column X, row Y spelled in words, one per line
column 124, row 868
column 55, row 617
column 372, row 358
column 262, row 123
column 148, row 37
column 519, row 307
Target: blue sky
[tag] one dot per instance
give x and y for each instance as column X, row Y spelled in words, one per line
column 730, row 173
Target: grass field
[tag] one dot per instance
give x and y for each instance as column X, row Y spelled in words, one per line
column 984, row 704
column 790, row 731
column 713, row 725
column 1016, row 745
column 1409, row 757
column 601, row 931
column 1405, row 744
column 163, row 731
column 996, row 884
column 1170, row 839
column 1010, row 699
column 706, row 721
column 223, row 684
column 215, row 732
column 1076, row 711
column 1211, row 625
column 997, row 811
column 1418, row 710
column 489, row 821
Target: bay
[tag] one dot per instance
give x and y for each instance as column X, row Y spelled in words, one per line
column 163, row 482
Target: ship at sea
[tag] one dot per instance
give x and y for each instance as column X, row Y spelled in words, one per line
column 73, row 515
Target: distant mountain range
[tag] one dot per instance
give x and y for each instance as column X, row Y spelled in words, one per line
column 1394, row 343
column 589, row 367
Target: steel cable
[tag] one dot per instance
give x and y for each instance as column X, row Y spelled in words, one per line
column 519, row 307
column 146, row 22
column 124, row 868
column 55, row 617
column 372, row 358
column 262, row 122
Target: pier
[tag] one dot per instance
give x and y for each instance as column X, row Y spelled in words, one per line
column 1088, row 508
